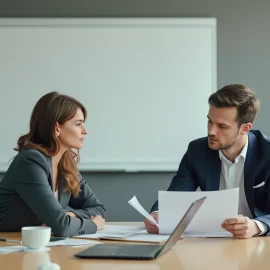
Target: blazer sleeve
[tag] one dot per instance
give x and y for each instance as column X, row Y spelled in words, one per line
column 33, row 187
column 185, row 179
column 85, row 204
column 265, row 219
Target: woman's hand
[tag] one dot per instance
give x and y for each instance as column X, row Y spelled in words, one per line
column 44, row 225
column 99, row 221
column 71, row 214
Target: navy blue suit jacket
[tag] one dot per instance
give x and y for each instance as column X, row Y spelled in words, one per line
column 201, row 167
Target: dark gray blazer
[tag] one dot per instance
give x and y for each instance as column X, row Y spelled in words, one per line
column 27, row 198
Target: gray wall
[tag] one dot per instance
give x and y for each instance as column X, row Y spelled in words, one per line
column 242, row 55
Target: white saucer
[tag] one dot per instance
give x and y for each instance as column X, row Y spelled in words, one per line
column 36, row 250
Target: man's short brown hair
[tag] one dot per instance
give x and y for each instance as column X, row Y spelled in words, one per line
column 239, row 96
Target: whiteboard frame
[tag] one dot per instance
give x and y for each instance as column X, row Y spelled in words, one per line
column 129, row 166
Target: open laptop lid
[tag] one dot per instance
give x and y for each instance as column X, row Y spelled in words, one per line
column 182, row 225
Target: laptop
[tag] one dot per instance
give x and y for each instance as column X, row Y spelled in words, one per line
column 142, row 252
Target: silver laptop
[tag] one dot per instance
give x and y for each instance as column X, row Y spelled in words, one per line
column 142, row 252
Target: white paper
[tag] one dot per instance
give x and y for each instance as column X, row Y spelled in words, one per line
column 66, row 242
column 72, row 242
column 224, row 234
column 135, row 234
column 218, row 206
column 144, row 236
column 114, row 231
column 10, row 249
column 135, row 203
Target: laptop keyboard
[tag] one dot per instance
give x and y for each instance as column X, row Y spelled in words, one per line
column 137, row 250
column 129, row 251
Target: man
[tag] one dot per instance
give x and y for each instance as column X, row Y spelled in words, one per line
column 231, row 156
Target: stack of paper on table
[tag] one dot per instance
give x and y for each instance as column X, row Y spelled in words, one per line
column 126, row 233
column 67, row 242
column 10, row 249
column 72, row 242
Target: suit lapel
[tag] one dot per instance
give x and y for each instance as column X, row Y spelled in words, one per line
column 212, row 170
column 50, row 178
column 251, row 164
column 63, row 193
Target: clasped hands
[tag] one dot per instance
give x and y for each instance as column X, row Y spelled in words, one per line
column 241, row 227
column 98, row 220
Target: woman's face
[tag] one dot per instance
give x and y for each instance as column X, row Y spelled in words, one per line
column 71, row 134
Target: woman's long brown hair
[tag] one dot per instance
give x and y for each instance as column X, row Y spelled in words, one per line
column 51, row 108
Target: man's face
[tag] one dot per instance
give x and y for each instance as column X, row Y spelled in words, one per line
column 223, row 130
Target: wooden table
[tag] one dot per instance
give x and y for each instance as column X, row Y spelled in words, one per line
column 191, row 253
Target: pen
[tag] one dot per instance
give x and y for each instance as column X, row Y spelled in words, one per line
column 11, row 241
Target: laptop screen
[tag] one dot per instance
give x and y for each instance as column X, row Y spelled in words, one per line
column 182, row 225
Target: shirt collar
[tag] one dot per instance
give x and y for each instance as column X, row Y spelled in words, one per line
column 242, row 154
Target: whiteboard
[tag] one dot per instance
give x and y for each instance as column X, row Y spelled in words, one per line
column 145, row 84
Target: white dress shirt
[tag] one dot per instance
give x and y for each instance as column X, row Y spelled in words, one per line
column 232, row 176
column 56, row 194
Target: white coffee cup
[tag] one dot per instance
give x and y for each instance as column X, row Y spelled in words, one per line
column 36, row 237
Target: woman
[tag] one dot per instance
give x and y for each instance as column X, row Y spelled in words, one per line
column 42, row 184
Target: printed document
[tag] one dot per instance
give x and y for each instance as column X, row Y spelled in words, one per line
column 218, row 206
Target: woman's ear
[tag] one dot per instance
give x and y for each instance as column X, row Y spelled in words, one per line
column 57, row 129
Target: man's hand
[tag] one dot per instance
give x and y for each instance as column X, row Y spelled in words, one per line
column 150, row 227
column 241, row 227
column 100, row 221
column 71, row 214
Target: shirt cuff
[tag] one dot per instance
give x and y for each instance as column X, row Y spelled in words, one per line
column 263, row 227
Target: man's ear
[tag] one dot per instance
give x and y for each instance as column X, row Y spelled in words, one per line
column 57, row 129
column 245, row 128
